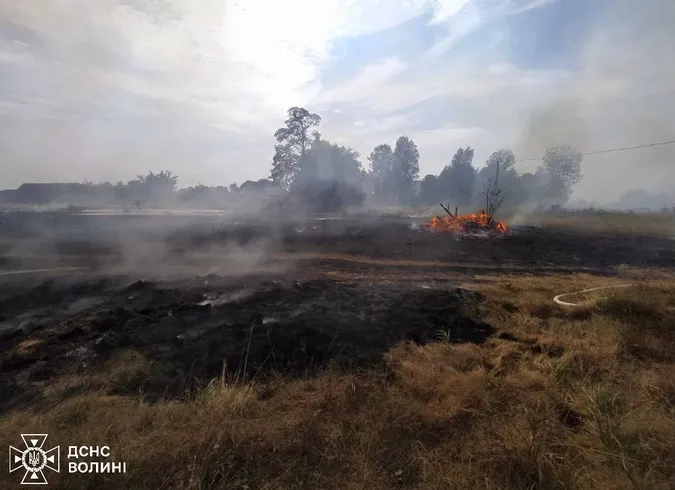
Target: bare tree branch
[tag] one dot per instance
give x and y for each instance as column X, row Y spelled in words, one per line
column 494, row 198
column 447, row 211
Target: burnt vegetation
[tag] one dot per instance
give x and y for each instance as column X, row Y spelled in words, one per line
column 303, row 345
column 396, row 381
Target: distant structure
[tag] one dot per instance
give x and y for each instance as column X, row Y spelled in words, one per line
column 41, row 193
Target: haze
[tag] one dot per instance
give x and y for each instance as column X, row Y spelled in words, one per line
column 107, row 89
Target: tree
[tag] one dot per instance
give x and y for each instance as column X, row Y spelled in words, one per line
column 330, row 178
column 562, row 165
column 501, row 163
column 153, row 187
column 258, row 186
column 327, row 196
column 457, row 179
column 328, row 161
column 122, row 191
column 293, row 143
column 381, row 165
column 494, row 198
column 500, row 172
column 381, row 160
column 405, row 169
column 430, row 190
column 527, row 190
column 500, row 167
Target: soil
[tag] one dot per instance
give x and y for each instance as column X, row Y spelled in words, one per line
column 194, row 329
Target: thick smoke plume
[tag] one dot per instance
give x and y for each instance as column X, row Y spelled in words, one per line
column 622, row 94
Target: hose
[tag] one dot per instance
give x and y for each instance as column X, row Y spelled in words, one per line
column 565, row 303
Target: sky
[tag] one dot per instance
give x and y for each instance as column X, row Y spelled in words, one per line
column 103, row 90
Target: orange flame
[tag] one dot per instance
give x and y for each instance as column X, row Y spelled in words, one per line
column 466, row 223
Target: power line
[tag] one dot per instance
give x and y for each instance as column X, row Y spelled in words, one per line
column 610, row 150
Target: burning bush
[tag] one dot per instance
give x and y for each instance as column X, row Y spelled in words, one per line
column 468, row 223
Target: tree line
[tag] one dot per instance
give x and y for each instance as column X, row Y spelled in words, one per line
column 302, row 158
column 324, row 176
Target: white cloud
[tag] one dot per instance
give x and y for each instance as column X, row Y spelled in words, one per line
column 366, row 82
column 461, row 17
column 231, row 65
column 446, row 136
column 374, row 90
column 445, row 10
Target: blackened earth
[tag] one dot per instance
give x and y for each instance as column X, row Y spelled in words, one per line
column 196, row 329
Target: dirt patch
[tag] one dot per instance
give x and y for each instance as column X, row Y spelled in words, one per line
column 196, row 329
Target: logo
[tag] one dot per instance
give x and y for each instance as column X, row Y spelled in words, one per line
column 34, row 459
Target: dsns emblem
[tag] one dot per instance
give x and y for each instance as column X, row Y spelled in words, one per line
column 34, row 459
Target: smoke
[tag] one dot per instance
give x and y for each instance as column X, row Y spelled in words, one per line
column 145, row 246
column 622, row 94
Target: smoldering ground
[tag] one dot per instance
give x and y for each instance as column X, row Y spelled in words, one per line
column 262, row 298
column 200, row 301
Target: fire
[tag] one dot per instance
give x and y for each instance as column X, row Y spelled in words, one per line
column 466, row 223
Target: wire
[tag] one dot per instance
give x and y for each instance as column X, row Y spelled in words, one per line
column 611, row 150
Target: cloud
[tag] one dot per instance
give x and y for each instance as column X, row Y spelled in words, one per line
column 364, row 84
column 373, row 88
column 462, row 17
column 443, row 137
column 134, row 69
column 481, row 106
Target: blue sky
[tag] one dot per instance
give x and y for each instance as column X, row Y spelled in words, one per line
column 106, row 90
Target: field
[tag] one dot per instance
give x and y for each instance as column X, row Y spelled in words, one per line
column 341, row 354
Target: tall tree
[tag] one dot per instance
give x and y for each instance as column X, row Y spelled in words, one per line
column 381, row 164
column 406, row 168
column 500, row 172
column 562, row 165
column 501, row 162
column 457, row 179
column 330, row 177
column 430, row 189
column 293, row 143
column 330, row 162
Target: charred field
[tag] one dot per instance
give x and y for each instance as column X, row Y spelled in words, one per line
column 366, row 347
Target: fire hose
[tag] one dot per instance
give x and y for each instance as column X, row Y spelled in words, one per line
column 559, row 301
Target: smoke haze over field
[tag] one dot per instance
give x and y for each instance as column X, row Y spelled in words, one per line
column 109, row 89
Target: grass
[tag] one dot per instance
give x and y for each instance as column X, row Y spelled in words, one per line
column 560, row 398
column 628, row 223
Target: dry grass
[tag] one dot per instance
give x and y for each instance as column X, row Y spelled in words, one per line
column 561, row 398
column 658, row 224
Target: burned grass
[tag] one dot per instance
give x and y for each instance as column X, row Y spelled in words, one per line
column 555, row 399
column 194, row 330
column 480, row 382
